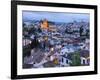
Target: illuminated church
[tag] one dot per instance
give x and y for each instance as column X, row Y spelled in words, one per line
column 44, row 24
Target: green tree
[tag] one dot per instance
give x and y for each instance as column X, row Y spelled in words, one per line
column 76, row 61
column 25, row 31
column 32, row 30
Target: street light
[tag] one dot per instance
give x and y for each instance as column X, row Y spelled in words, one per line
column 39, row 40
column 46, row 38
column 52, row 49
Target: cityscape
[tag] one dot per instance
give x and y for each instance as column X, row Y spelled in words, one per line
column 55, row 39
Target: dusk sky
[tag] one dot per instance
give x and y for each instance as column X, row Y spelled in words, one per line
column 55, row 16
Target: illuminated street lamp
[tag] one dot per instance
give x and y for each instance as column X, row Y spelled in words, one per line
column 46, row 38
column 52, row 49
column 39, row 40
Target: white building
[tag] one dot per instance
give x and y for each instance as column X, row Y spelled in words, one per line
column 32, row 36
column 85, row 59
column 26, row 41
column 66, row 50
column 64, row 61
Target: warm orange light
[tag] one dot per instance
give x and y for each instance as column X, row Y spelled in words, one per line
column 44, row 24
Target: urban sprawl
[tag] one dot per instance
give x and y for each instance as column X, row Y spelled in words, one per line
column 55, row 44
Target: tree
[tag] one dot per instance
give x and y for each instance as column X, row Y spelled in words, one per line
column 25, row 29
column 25, row 32
column 32, row 30
column 76, row 61
column 87, row 33
column 35, row 43
column 81, row 30
column 24, row 24
column 39, row 30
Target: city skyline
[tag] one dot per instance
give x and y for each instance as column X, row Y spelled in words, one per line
column 55, row 16
column 55, row 45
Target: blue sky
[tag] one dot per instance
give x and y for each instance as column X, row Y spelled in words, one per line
column 55, row 16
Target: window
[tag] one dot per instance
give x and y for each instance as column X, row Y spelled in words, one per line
column 83, row 61
column 62, row 60
column 62, row 52
column 67, row 61
column 88, row 61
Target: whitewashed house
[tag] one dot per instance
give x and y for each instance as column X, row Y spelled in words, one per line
column 26, row 41
column 64, row 61
column 87, row 44
column 32, row 36
column 82, row 45
column 66, row 50
column 85, row 59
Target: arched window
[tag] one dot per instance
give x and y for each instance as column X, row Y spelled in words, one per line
column 83, row 61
